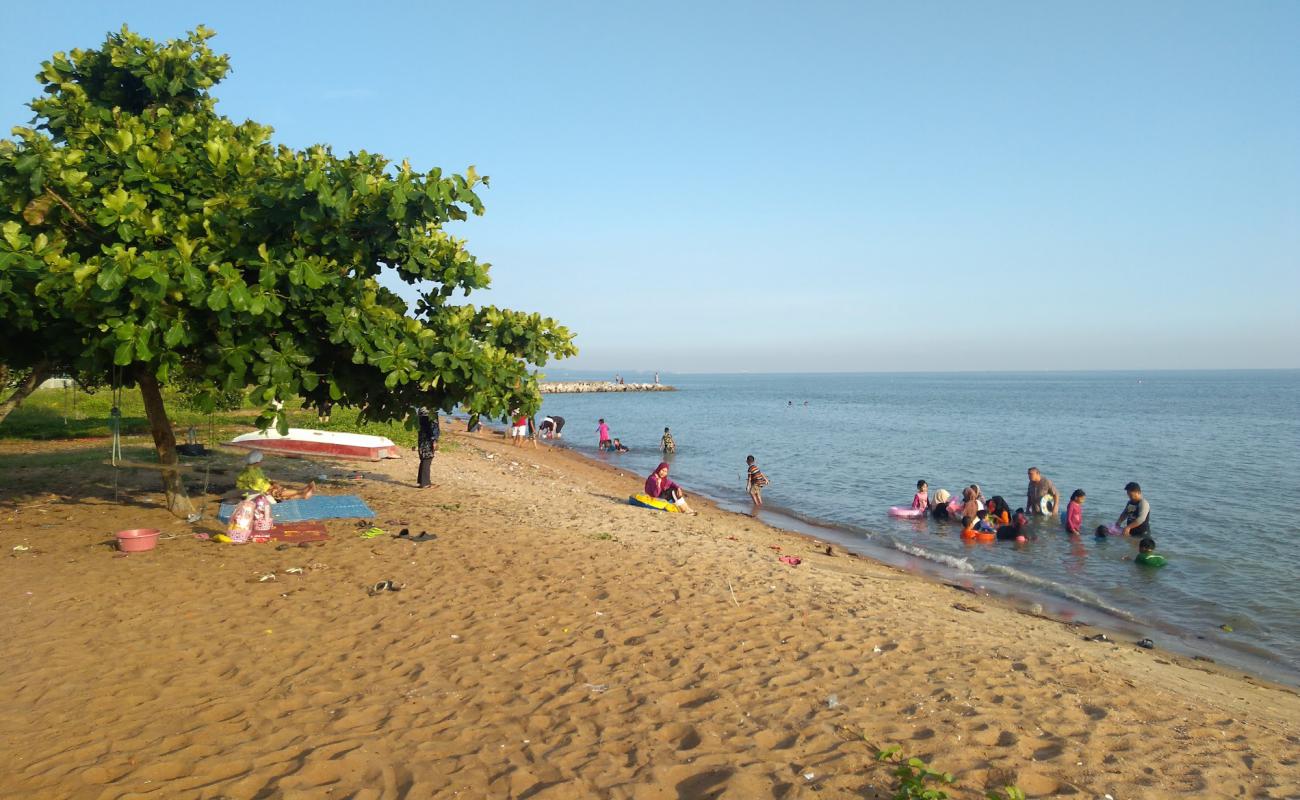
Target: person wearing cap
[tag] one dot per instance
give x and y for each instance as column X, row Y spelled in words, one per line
column 1136, row 516
column 253, row 481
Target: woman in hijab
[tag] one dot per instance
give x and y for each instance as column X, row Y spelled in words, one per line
column 660, row 486
column 426, row 446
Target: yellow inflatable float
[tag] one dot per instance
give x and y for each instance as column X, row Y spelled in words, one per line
column 646, row 501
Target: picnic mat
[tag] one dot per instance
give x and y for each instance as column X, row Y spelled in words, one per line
column 339, row 506
column 299, row 532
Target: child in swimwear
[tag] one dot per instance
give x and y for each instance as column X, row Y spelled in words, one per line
column 1074, row 512
column 999, row 511
column 1147, row 556
column 667, row 444
column 982, row 524
column 617, row 446
column 1101, row 532
column 755, row 480
column 921, row 499
column 968, row 527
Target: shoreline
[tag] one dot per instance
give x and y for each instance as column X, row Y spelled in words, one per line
column 1024, row 600
column 553, row 642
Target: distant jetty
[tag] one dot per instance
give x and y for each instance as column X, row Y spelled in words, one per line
column 579, row 387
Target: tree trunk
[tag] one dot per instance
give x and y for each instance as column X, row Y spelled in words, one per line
column 164, row 441
column 38, row 375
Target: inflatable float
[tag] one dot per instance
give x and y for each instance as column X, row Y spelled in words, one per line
column 646, row 501
column 906, row 513
column 1150, row 560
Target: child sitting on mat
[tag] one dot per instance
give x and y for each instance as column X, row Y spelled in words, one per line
column 253, row 480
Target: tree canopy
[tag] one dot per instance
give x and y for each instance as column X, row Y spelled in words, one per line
column 146, row 237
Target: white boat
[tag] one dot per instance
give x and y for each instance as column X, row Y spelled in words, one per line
column 310, row 442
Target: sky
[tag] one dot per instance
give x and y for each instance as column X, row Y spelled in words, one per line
column 821, row 186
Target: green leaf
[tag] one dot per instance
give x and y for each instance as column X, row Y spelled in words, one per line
column 122, row 355
column 174, row 334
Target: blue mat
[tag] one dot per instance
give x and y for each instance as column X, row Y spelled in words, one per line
column 342, row 506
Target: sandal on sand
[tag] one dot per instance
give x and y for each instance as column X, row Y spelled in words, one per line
column 373, row 532
column 386, row 586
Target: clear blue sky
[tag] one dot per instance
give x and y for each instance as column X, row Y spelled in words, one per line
column 813, row 186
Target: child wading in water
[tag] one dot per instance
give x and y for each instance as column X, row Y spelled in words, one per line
column 921, row 499
column 755, row 481
column 667, row 443
column 1074, row 511
column 1147, row 555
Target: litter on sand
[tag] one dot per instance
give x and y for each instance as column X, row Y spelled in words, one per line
column 386, row 586
column 793, row 561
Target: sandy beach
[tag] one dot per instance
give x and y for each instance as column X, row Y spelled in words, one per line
column 554, row 642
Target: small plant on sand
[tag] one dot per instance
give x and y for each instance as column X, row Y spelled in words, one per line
column 914, row 775
column 604, row 537
column 1007, row 793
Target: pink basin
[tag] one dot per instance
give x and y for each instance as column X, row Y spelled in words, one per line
column 137, row 540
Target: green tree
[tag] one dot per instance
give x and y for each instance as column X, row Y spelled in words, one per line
column 150, row 240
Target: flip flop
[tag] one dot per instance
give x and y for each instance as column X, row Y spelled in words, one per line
column 373, row 532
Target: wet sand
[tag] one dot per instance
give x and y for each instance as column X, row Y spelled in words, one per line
column 554, row 642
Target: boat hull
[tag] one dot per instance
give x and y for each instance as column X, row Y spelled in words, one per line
column 309, row 442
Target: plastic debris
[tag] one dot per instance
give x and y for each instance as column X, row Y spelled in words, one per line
column 833, row 701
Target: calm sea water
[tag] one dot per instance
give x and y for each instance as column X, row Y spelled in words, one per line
column 1217, row 454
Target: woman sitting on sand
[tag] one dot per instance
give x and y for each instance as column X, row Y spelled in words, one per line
column 658, row 485
column 253, row 480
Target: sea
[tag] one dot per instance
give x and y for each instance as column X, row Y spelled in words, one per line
column 1217, row 455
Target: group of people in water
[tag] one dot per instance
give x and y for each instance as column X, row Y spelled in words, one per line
column 991, row 519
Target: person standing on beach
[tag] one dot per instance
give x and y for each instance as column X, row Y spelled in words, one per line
column 426, row 445
column 1040, row 490
column 518, row 428
column 666, row 443
column 755, row 480
column 1136, row 516
column 602, row 434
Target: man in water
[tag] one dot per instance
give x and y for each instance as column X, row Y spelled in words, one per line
column 1041, row 489
column 1136, row 516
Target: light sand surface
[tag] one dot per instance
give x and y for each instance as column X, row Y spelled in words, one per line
column 554, row 642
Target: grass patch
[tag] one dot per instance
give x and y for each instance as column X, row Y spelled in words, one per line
column 78, row 457
column 604, row 537
column 68, row 414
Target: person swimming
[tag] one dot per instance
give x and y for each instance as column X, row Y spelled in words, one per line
column 1147, row 555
